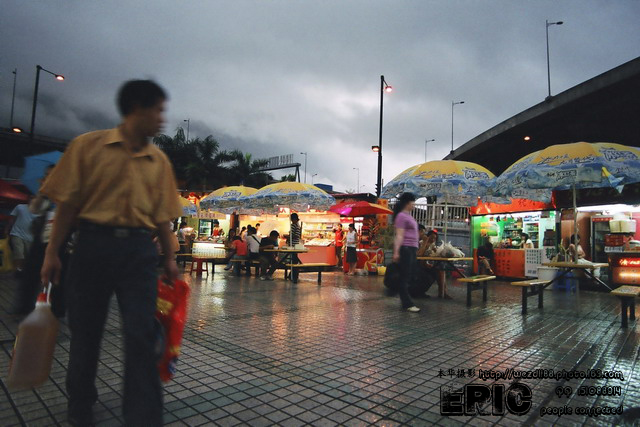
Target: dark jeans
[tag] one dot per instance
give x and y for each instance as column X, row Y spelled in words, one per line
column 101, row 266
column 407, row 270
column 268, row 264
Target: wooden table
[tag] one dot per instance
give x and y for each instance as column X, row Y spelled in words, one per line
column 448, row 261
column 566, row 267
column 288, row 257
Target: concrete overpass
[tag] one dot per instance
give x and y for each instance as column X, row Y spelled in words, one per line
column 605, row 108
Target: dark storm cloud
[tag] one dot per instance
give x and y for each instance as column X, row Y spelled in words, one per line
column 283, row 77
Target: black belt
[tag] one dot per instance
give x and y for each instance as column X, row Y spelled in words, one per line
column 112, row 230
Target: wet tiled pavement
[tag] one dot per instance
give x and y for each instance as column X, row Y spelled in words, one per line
column 274, row 353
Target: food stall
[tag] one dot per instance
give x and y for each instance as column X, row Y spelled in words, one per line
column 503, row 226
column 317, row 232
column 615, row 239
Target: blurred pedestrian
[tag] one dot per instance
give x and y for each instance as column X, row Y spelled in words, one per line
column 119, row 188
column 405, row 247
column 43, row 210
column 18, row 229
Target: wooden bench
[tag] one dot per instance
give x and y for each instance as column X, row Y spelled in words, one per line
column 248, row 263
column 318, row 267
column 474, row 283
column 530, row 288
column 627, row 294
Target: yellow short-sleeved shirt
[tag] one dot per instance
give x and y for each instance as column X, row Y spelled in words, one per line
column 110, row 185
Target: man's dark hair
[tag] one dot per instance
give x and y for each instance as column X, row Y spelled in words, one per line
column 294, row 216
column 139, row 93
column 431, row 233
column 236, row 238
column 421, row 227
column 274, row 233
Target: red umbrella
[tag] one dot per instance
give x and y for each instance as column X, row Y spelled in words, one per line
column 11, row 194
column 359, row 209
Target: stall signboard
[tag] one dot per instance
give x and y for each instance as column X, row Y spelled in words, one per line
column 516, row 205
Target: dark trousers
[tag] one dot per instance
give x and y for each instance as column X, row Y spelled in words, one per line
column 268, row 264
column 407, row 270
column 101, row 266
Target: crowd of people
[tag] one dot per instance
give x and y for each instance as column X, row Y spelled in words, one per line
column 120, row 223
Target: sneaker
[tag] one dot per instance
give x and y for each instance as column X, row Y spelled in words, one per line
column 227, row 268
column 263, row 278
column 413, row 309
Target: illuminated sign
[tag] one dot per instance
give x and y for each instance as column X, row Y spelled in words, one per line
column 629, row 262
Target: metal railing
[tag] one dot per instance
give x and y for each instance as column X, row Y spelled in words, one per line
column 433, row 216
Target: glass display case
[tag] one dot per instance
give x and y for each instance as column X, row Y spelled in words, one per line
column 209, row 249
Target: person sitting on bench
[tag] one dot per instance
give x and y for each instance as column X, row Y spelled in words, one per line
column 240, row 253
column 268, row 262
column 427, row 272
column 485, row 258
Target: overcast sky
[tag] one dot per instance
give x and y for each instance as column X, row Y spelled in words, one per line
column 281, row 77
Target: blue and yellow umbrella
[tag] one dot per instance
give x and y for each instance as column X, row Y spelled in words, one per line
column 451, row 181
column 570, row 166
column 226, row 199
column 293, row 195
column 566, row 166
column 188, row 208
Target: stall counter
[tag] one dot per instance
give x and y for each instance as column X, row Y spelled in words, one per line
column 324, row 254
column 625, row 267
column 508, row 262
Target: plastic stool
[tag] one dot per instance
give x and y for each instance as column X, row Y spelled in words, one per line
column 568, row 283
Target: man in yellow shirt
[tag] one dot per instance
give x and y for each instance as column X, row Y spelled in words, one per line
column 116, row 188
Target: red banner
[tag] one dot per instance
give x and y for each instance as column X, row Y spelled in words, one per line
column 517, row 205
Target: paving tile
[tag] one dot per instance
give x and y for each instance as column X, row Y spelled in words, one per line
column 343, row 354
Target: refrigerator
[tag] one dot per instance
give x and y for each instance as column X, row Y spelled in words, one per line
column 599, row 229
column 205, row 227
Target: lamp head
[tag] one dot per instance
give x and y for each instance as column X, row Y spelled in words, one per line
column 16, row 129
column 375, row 148
column 59, row 77
column 388, row 88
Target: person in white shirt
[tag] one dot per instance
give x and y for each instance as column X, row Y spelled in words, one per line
column 253, row 243
column 352, row 244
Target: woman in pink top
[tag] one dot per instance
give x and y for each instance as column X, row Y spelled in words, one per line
column 405, row 247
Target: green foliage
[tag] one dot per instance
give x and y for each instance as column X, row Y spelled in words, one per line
column 200, row 165
column 385, row 237
column 288, row 178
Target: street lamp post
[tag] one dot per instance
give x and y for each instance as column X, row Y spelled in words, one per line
column 13, row 97
column 305, row 167
column 425, row 148
column 59, row 77
column 452, row 104
column 188, row 124
column 548, row 24
column 358, row 181
column 384, row 87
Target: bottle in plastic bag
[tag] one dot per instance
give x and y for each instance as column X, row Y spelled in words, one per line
column 33, row 349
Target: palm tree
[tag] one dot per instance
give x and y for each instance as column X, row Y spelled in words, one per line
column 198, row 163
column 178, row 151
column 246, row 171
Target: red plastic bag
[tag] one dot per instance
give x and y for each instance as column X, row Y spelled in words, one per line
column 171, row 311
